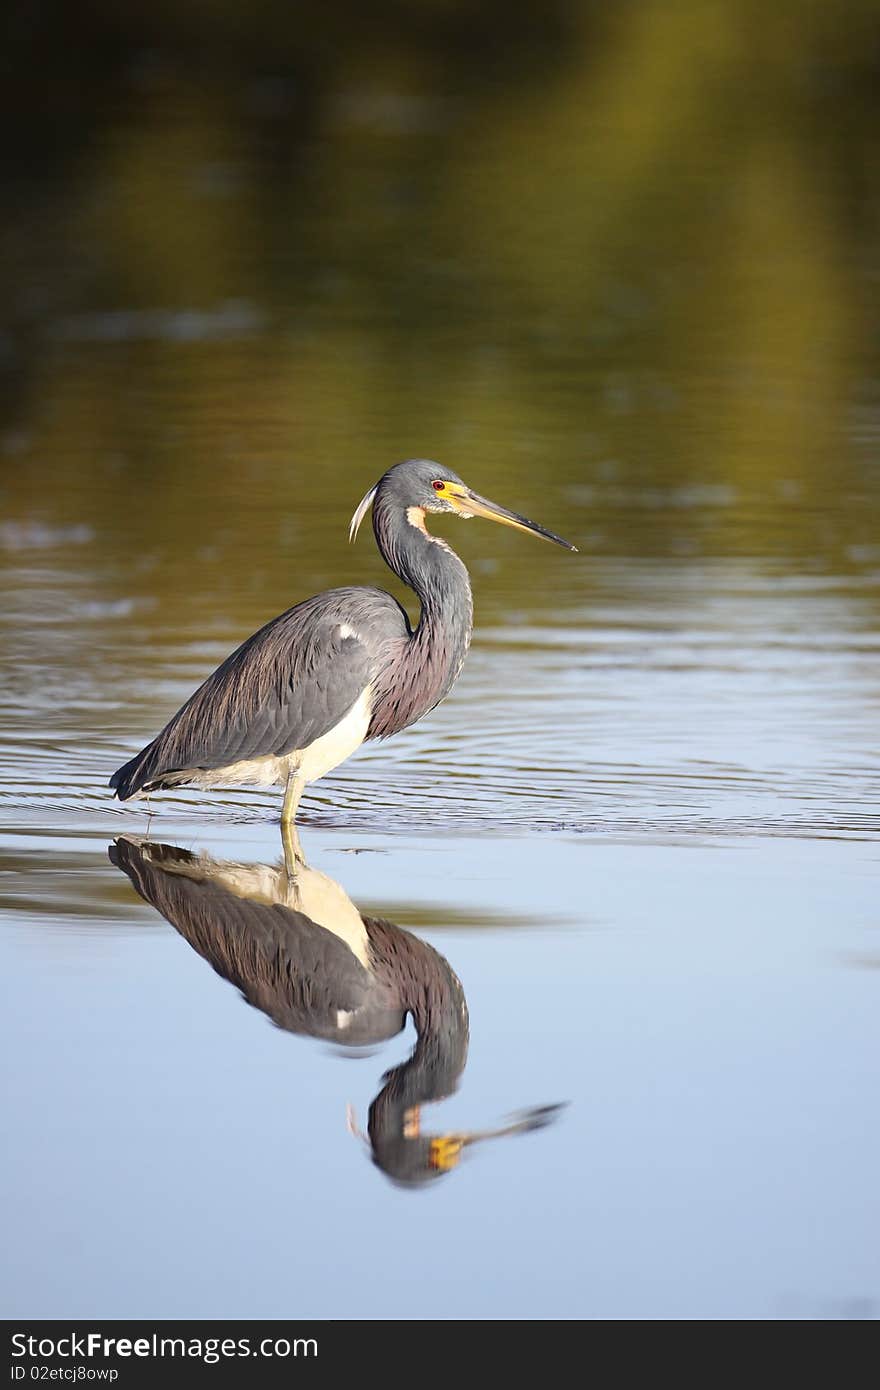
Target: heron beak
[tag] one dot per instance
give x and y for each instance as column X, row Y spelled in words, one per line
column 468, row 503
column 445, row 1151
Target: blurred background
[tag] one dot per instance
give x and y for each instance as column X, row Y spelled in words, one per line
column 253, row 253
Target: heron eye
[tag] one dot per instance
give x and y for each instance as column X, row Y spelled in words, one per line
column 438, row 486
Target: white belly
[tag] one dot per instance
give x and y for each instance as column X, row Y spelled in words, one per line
column 313, row 762
column 314, row 894
column 337, row 744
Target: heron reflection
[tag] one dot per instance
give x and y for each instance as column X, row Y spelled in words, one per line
column 296, row 946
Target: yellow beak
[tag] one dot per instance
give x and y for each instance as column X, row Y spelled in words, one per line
column 445, row 1151
column 468, row 503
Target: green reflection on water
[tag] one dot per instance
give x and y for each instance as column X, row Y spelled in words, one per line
column 614, row 265
column 627, row 264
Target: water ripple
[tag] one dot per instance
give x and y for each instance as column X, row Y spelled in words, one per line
column 740, row 710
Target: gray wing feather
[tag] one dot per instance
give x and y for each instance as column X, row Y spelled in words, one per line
column 284, row 687
column 293, row 969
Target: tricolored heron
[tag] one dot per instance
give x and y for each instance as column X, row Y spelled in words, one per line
column 299, row 950
column 299, row 696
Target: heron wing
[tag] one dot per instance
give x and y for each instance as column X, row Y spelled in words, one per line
column 286, row 686
column 293, row 969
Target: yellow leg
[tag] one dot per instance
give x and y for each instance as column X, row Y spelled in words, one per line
column 293, row 855
column 292, row 794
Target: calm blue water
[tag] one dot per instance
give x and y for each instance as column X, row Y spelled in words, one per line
column 708, row 1011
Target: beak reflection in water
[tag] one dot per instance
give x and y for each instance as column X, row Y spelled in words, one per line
column 295, row 945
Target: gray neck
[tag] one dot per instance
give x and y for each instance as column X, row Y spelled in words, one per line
column 428, row 988
column 425, row 671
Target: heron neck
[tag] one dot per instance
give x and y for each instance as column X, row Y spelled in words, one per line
column 444, row 591
column 421, row 670
column 431, row 568
column 428, row 988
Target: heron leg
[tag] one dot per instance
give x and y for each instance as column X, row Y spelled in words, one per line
column 292, row 793
column 294, row 858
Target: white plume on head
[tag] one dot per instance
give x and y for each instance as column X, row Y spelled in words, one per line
column 363, row 507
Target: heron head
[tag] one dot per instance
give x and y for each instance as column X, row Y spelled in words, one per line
column 421, row 485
